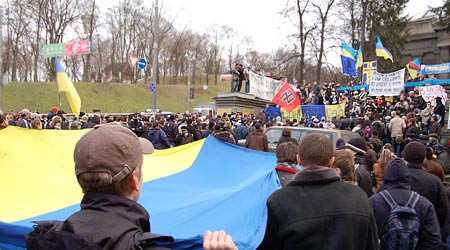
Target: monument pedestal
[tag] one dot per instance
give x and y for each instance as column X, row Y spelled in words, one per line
column 239, row 102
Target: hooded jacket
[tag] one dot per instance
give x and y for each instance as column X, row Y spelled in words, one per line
column 396, row 181
column 431, row 187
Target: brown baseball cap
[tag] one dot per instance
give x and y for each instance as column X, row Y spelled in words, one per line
column 110, row 148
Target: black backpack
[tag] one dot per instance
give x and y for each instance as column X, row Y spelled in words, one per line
column 401, row 230
column 58, row 235
column 53, row 235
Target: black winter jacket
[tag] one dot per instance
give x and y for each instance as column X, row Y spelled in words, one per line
column 319, row 211
column 111, row 221
column 431, row 187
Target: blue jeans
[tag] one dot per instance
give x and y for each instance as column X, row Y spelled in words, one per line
column 234, row 85
column 396, row 147
column 247, row 86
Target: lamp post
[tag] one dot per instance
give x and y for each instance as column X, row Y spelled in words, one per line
column 155, row 53
column 1, row 56
column 190, row 58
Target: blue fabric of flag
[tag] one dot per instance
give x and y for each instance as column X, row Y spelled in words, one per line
column 348, row 66
column 309, row 111
column 272, row 112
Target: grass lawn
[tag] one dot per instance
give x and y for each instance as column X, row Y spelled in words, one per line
column 109, row 98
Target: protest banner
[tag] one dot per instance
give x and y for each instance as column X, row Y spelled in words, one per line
column 435, row 69
column 264, row 87
column 429, row 93
column 390, row 84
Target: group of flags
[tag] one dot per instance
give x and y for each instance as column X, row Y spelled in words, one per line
column 351, row 59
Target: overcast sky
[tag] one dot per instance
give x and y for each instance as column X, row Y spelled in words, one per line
column 258, row 19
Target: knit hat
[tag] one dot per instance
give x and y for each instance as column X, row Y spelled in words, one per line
column 414, row 152
column 358, row 145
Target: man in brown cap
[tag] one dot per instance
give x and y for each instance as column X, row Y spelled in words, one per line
column 108, row 166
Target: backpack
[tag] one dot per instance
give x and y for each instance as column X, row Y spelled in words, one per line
column 401, row 230
column 59, row 235
column 52, row 235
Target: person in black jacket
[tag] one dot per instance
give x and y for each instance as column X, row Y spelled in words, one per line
column 317, row 210
column 427, row 185
column 170, row 128
column 439, row 110
column 396, row 182
column 358, row 147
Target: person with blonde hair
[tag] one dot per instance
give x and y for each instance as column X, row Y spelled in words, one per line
column 36, row 124
column 345, row 166
column 380, row 166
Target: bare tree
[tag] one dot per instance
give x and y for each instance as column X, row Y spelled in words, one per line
column 322, row 11
column 305, row 31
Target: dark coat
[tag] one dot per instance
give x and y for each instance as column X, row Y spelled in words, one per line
column 319, row 211
column 363, row 176
column 431, row 187
column 181, row 139
column 257, row 140
column 207, row 132
column 171, row 131
column 225, row 136
column 396, row 181
column 158, row 138
column 131, row 221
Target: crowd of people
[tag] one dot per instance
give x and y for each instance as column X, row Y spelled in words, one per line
column 332, row 197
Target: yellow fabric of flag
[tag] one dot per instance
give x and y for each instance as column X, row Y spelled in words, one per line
column 66, row 85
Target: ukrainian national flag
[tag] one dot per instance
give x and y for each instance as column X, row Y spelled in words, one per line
column 66, row 85
column 187, row 190
column 381, row 51
column 348, row 51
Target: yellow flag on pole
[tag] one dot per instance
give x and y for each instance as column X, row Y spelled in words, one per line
column 66, row 85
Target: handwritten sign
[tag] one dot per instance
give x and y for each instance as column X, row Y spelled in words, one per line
column 390, row 84
column 429, row 93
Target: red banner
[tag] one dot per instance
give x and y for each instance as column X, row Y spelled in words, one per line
column 78, row 48
column 287, row 98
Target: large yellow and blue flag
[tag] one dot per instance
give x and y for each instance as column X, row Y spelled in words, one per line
column 66, row 85
column 187, row 189
column 381, row 51
column 348, row 51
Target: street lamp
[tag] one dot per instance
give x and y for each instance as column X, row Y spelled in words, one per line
column 1, row 56
column 190, row 57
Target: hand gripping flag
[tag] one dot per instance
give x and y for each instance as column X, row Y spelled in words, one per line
column 381, row 51
column 66, row 85
column 287, row 98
